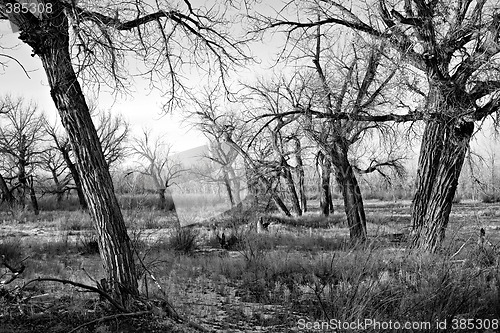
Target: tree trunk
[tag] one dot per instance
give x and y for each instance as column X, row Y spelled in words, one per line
column 325, row 197
column 6, row 193
column 51, row 43
column 287, row 176
column 227, row 185
column 442, row 154
column 76, row 178
column 235, row 181
column 252, row 185
column 162, row 202
column 353, row 201
column 34, row 201
column 254, row 172
column 300, row 175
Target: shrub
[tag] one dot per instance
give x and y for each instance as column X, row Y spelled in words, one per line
column 89, row 243
column 11, row 249
column 184, row 240
column 490, row 197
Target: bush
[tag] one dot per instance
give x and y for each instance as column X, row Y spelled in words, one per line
column 184, row 240
column 89, row 243
column 490, row 197
column 11, row 249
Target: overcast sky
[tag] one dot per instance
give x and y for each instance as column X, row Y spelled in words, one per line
column 142, row 108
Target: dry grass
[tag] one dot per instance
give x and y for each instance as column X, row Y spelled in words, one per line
column 305, row 270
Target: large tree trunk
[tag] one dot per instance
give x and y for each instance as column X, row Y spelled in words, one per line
column 442, row 154
column 287, row 176
column 51, row 43
column 353, row 201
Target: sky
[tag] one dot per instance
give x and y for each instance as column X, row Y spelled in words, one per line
column 142, row 108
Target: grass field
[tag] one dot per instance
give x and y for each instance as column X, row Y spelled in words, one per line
column 301, row 273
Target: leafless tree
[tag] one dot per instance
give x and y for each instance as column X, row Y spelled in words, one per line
column 61, row 143
column 21, row 136
column 261, row 173
column 224, row 167
column 156, row 162
column 53, row 162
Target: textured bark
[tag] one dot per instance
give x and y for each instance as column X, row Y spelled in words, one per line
column 325, row 194
column 444, row 147
column 443, row 152
column 353, row 201
column 292, row 192
column 51, row 44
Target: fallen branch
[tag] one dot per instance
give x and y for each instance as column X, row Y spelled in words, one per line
column 83, row 286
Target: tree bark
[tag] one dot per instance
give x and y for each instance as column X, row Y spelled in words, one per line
column 34, row 201
column 287, row 176
column 325, row 193
column 227, row 185
column 6, row 193
column 300, row 175
column 351, row 193
column 442, row 154
column 51, row 43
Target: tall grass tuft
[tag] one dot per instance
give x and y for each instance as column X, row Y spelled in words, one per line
column 184, row 240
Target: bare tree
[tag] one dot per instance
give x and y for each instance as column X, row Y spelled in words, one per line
column 62, row 145
column 53, row 162
column 94, row 37
column 156, row 162
column 20, row 143
column 223, row 168
column 260, row 172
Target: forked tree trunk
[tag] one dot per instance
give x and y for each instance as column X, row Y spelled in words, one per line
column 353, row 201
column 51, row 43
column 442, row 154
